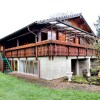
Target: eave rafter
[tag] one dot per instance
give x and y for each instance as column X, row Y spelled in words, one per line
column 71, row 30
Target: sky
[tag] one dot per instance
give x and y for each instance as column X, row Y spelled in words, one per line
column 15, row 14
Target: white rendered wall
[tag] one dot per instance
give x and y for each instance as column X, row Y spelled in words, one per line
column 22, row 66
column 45, row 68
column 60, row 65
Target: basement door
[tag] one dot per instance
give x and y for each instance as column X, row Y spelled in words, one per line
column 73, row 66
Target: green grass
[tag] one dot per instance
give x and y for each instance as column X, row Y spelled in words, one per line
column 12, row 88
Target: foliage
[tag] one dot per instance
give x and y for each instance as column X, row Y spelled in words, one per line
column 79, row 79
column 96, row 45
column 94, row 71
column 95, row 80
column 97, row 25
column 12, row 88
column 89, row 80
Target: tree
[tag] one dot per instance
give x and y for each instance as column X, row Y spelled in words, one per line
column 97, row 26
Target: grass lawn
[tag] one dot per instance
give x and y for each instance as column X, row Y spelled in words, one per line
column 12, row 88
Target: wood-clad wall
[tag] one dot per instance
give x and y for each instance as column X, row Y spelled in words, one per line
column 62, row 36
column 1, row 65
column 80, row 23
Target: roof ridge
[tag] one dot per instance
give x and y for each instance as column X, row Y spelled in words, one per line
column 59, row 18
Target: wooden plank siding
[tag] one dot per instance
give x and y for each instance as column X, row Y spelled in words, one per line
column 89, row 52
column 1, row 62
column 82, row 52
column 1, row 65
column 50, row 48
column 73, row 51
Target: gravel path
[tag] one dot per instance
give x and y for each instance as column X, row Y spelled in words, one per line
column 56, row 84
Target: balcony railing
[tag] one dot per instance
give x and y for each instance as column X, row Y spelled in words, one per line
column 50, row 48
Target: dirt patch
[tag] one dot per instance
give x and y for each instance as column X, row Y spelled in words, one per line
column 57, row 83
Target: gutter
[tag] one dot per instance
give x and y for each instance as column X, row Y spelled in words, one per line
column 35, row 41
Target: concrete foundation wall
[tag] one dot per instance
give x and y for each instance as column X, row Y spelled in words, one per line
column 60, row 65
column 56, row 68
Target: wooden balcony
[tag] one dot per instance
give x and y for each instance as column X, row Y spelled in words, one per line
column 50, row 48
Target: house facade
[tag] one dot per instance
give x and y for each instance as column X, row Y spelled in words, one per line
column 50, row 48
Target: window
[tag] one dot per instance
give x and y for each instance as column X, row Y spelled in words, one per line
column 51, row 35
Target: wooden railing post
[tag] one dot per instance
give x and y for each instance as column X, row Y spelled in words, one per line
column 78, row 51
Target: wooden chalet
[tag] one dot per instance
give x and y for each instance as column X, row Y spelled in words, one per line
column 50, row 48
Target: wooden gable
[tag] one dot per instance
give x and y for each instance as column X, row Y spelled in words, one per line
column 81, row 23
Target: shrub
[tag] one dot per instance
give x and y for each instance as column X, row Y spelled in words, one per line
column 89, row 80
column 79, row 79
column 94, row 71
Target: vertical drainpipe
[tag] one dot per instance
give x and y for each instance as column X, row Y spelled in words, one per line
column 35, row 40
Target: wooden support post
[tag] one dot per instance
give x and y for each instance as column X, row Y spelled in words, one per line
column 3, row 51
column 68, row 50
column 51, row 33
column 12, row 64
column 57, row 37
column 50, row 51
column 11, row 54
column 26, row 66
column 17, row 53
column 24, row 52
column 78, row 52
column 36, row 48
column 52, row 57
column 86, row 51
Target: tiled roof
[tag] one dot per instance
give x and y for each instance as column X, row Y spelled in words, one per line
column 58, row 18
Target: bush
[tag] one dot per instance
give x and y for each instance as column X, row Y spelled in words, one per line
column 79, row 79
column 94, row 71
column 90, row 80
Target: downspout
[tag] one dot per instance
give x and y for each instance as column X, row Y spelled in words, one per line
column 35, row 41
